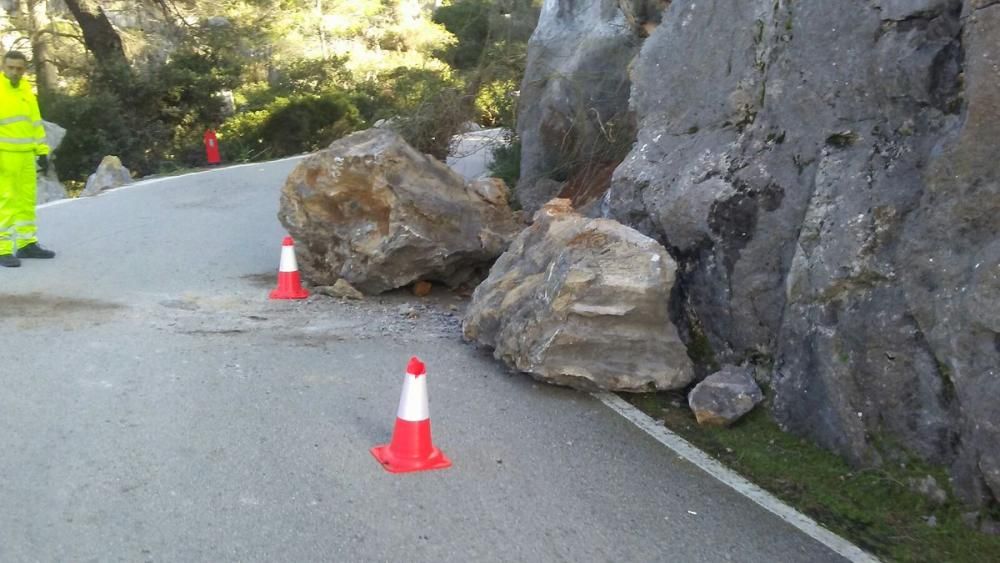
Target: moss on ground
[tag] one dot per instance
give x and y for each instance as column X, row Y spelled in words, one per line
column 874, row 508
column 700, row 349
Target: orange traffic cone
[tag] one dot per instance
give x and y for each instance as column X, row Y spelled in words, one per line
column 411, row 448
column 289, row 282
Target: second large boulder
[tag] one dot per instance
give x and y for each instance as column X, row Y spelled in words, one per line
column 375, row 212
column 584, row 303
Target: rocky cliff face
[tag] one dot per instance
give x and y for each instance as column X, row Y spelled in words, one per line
column 826, row 176
column 574, row 122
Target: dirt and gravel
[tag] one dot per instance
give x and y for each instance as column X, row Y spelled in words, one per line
column 313, row 321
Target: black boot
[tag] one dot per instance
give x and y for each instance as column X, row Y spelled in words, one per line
column 9, row 261
column 33, row 250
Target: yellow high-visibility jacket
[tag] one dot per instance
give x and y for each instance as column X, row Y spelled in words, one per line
column 20, row 121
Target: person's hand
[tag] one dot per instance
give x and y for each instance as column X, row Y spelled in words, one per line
column 43, row 162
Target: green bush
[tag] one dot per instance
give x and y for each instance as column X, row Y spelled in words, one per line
column 152, row 121
column 426, row 107
column 469, row 22
column 430, row 126
column 506, row 163
column 308, row 123
column 253, row 96
column 239, row 136
column 495, row 103
column 98, row 125
column 287, row 126
column 311, row 76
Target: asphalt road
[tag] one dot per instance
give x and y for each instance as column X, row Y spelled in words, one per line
column 157, row 407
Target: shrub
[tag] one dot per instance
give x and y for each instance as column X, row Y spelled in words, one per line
column 308, row 123
column 239, row 136
column 312, row 76
column 427, row 108
column 253, row 96
column 98, row 125
column 286, row 126
column 430, row 126
column 469, row 21
column 496, row 103
column 506, row 163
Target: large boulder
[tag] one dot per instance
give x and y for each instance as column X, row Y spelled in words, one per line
column 826, row 174
column 110, row 174
column 49, row 188
column 54, row 134
column 582, row 302
column 373, row 211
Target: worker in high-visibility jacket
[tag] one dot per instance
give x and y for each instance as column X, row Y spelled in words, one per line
column 22, row 146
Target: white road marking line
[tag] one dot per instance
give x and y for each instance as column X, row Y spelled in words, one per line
column 709, row 465
column 151, row 181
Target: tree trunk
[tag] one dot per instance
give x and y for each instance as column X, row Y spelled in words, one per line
column 41, row 40
column 100, row 37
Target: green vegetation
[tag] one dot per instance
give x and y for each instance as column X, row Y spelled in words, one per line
column 700, row 349
column 272, row 77
column 877, row 509
column 506, row 163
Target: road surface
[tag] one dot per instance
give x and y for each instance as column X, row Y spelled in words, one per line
column 157, row 407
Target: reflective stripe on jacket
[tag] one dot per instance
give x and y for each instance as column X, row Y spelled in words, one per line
column 20, row 122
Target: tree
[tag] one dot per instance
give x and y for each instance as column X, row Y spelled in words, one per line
column 101, row 38
column 42, row 55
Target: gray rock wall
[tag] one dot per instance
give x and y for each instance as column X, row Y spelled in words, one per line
column 574, row 96
column 826, row 175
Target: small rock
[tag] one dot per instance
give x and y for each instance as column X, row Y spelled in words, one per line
column 340, row 289
column 725, row 396
column 110, row 174
column 970, row 519
column 422, row 288
column 928, row 487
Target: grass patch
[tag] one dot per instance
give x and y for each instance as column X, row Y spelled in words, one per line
column 874, row 508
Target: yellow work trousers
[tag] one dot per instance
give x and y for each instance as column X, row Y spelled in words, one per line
column 17, row 200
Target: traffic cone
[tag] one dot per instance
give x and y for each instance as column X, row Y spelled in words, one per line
column 289, row 282
column 411, row 448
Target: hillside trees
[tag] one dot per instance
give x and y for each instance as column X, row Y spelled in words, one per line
column 143, row 78
column 99, row 35
column 491, row 51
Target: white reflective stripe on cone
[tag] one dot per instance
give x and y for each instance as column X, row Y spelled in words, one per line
column 413, row 401
column 288, row 263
